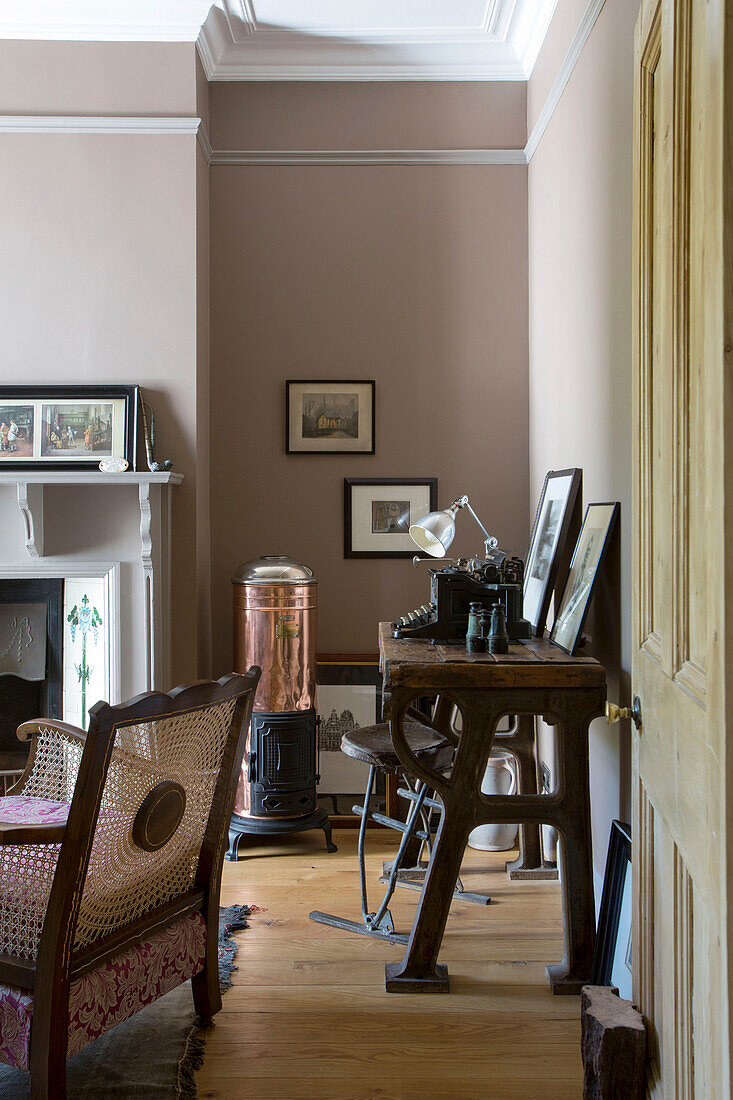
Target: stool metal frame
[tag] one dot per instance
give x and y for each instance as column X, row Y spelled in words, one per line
column 379, row 923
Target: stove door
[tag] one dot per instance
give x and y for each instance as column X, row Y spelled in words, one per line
column 283, row 764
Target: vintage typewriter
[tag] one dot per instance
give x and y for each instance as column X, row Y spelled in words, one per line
column 496, row 578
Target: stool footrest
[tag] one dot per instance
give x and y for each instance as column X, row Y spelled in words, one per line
column 390, row 822
column 433, row 803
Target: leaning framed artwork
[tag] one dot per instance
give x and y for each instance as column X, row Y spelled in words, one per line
column 329, row 417
column 67, row 427
column 598, row 526
column 348, row 695
column 378, row 513
column 612, row 956
column 555, row 509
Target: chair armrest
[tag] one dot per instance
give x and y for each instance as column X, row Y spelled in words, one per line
column 12, row 832
column 28, row 729
column 34, row 728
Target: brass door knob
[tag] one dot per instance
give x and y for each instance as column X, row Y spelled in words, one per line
column 614, row 713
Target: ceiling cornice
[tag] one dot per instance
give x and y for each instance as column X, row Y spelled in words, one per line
column 232, row 46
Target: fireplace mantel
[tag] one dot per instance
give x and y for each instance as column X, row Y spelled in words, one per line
column 153, row 496
column 30, row 488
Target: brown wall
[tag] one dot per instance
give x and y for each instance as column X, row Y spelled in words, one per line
column 580, row 204
column 363, row 115
column 413, row 276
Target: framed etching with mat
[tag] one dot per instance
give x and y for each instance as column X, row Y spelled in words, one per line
column 348, row 695
column 329, row 417
column 378, row 512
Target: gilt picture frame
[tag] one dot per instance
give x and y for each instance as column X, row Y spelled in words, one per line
column 561, row 491
column 330, row 416
column 67, row 427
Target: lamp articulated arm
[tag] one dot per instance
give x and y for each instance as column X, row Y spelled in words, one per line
column 490, row 543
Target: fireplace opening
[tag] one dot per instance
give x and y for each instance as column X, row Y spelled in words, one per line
column 31, row 663
column 55, row 653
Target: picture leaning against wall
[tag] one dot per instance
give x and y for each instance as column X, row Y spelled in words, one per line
column 553, row 518
column 598, row 525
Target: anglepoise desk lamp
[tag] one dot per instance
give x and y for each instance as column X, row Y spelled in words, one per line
column 434, row 533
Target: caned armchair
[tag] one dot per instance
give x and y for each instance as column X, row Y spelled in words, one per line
column 111, row 850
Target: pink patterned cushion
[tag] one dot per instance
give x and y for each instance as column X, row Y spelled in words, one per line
column 113, row 992
column 21, row 810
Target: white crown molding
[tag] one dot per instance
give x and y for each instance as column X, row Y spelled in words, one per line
column 503, row 46
column 528, row 46
column 508, row 70
column 587, row 23
column 242, row 157
column 96, row 124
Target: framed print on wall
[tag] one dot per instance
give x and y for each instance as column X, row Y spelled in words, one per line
column 60, row 427
column 329, row 417
column 598, row 525
column 378, row 513
column 549, row 536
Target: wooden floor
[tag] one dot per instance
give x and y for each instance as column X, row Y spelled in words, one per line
column 308, row 1016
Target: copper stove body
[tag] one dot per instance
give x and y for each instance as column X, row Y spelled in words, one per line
column 275, row 618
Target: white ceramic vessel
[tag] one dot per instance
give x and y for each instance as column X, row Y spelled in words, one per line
column 500, row 777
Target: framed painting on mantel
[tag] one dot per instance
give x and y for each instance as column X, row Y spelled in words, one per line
column 329, row 417
column 67, row 427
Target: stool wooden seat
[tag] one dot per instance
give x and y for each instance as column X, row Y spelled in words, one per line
column 373, row 745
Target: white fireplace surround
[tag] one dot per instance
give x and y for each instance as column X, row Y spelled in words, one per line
column 137, row 578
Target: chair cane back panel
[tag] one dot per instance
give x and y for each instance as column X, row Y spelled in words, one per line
column 27, row 871
column 125, row 881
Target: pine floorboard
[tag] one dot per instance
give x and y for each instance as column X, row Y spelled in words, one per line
column 308, row 1018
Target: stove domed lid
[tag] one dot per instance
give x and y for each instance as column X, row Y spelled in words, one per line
column 274, row 569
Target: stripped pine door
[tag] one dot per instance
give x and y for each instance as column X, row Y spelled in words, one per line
column 682, row 665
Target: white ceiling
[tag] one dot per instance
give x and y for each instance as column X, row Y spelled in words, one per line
column 310, row 39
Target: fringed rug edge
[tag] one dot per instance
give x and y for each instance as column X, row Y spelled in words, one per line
column 231, row 919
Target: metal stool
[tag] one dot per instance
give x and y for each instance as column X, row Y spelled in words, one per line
column 373, row 745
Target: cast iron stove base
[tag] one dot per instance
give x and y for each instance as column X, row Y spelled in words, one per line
column 241, row 826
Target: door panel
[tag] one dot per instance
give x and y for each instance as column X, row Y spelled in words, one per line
column 681, row 613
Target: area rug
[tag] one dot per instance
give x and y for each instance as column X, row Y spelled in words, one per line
column 151, row 1056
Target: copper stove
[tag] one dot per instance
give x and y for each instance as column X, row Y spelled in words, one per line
column 275, row 615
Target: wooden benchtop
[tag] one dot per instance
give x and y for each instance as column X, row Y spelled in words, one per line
column 533, row 663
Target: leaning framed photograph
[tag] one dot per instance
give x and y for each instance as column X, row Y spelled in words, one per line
column 598, row 525
column 552, row 522
column 612, row 956
column 378, row 513
column 329, row 417
column 348, row 695
column 62, row 427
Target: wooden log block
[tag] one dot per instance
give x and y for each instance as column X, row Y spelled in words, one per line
column 613, row 1045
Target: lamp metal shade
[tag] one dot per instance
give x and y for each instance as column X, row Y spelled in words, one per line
column 435, row 532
